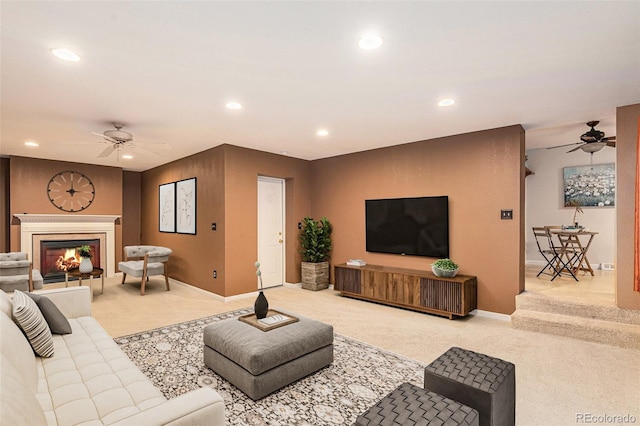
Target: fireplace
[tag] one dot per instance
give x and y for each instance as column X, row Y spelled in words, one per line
column 35, row 228
column 58, row 256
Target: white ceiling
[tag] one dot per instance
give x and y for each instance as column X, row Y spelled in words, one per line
column 166, row 70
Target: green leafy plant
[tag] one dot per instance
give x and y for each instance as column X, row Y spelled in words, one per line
column 84, row 251
column 315, row 240
column 446, row 264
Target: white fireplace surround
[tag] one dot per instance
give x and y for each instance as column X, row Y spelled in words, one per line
column 35, row 226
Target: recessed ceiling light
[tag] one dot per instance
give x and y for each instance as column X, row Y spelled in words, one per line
column 31, row 143
column 322, row 132
column 234, row 105
column 65, row 54
column 446, row 102
column 370, row 41
column 127, row 156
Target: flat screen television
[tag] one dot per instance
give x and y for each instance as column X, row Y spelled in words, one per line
column 408, row 226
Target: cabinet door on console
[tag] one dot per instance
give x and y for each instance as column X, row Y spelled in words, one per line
column 374, row 284
column 347, row 280
column 441, row 294
column 404, row 289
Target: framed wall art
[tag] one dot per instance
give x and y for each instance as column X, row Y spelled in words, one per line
column 186, row 206
column 167, row 207
column 590, row 186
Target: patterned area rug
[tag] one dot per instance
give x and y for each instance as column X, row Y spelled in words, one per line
column 359, row 376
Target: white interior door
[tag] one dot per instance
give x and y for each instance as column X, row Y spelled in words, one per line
column 271, row 230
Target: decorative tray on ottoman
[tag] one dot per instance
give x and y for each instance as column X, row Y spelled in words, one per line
column 274, row 319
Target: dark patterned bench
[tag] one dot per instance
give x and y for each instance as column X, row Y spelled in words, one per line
column 411, row 405
column 485, row 383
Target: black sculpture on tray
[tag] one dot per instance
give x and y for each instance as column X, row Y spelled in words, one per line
column 261, row 307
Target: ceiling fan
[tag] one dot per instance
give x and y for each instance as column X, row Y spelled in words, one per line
column 591, row 141
column 121, row 140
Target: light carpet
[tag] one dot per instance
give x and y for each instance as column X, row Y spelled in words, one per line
column 360, row 375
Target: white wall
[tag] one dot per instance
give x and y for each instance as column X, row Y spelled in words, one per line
column 544, row 201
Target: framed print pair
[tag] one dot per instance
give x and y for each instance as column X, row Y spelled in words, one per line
column 177, row 206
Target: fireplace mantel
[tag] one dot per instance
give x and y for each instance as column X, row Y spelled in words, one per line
column 36, row 225
column 58, row 218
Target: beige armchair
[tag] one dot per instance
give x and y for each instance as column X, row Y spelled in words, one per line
column 145, row 261
column 17, row 273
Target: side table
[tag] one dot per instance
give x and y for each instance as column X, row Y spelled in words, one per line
column 75, row 272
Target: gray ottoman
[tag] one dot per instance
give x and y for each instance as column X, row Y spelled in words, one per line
column 411, row 405
column 260, row 362
column 485, row 383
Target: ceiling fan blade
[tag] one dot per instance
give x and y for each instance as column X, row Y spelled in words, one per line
column 107, row 151
column 576, row 148
column 567, row 144
column 611, row 143
column 105, row 137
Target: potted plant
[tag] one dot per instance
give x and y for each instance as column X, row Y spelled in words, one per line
column 85, row 259
column 445, row 268
column 578, row 206
column 315, row 241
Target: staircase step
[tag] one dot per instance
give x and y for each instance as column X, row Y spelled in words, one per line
column 536, row 302
column 594, row 330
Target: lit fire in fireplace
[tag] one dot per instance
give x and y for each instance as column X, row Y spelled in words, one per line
column 68, row 261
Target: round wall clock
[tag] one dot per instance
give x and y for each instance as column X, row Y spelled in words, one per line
column 71, row 191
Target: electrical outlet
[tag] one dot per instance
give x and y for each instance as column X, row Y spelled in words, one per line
column 213, row 226
column 299, row 225
column 215, row 274
column 506, row 214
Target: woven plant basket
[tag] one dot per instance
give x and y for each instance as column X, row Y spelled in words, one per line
column 315, row 276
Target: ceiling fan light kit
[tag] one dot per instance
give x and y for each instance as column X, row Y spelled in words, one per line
column 593, row 147
column 118, row 135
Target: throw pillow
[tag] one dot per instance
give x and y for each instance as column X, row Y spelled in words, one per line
column 30, row 319
column 58, row 324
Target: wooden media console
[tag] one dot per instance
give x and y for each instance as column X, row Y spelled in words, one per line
column 408, row 288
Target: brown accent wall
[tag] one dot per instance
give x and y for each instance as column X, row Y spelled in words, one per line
column 227, row 179
column 194, row 256
column 243, row 166
column 481, row 172
column 29, row 178
column 131, row 208
column 627, row 118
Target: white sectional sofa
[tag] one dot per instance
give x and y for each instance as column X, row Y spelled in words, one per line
column 88, row 380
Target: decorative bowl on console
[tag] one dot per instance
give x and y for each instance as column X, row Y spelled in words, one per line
column 445, row 268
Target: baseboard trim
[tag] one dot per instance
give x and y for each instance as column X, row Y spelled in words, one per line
column 229, row 298
column 492, row 315
column 293, row 285
column 198, row 290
